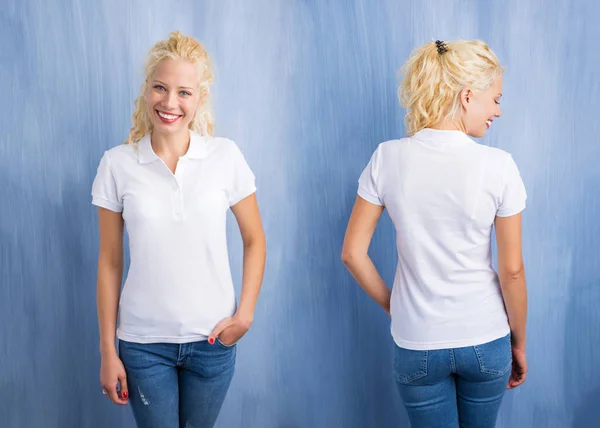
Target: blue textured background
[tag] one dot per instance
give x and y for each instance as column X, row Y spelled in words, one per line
column 307, row 90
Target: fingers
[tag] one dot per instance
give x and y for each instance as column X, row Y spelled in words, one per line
column 519, row 380
column 517, row 377
column 118, row 396
column 123, row 392
column 222, row 325
column 112, row 393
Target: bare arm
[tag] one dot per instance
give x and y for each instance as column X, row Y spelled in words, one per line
column 110, row 272
column 246, row 212
column 255, row 252
column 361, row 226
column 511, row 270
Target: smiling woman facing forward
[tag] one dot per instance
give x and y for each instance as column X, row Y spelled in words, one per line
column 171, row 184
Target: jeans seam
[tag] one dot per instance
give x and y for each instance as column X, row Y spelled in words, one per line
column 179, row 348
column 145, row 360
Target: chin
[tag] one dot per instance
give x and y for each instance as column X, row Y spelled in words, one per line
column 478, row 134
column 169, row 129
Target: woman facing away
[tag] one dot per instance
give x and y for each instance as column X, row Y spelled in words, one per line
column 171, row 184
column 458, row 325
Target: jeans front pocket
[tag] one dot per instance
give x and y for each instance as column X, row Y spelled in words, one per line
column 409, row 365
column 495, row 358
column 224, row 345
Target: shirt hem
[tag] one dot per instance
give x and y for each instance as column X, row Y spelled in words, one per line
column 451, row 344
column 160, row 339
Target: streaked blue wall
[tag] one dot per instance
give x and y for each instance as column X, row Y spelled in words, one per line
column 307, row 89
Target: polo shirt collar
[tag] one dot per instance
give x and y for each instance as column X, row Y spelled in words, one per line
column 430, row 135
column 196, row 150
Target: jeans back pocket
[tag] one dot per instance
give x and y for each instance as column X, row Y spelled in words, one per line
column 495, row 358
column 409, row 365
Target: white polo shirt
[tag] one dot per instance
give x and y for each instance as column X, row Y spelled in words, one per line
column 443, row 191
column 179, row 283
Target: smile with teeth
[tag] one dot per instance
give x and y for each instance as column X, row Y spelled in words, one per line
column 168, row 117
column 488, row 122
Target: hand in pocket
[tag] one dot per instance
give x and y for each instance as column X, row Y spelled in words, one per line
column 229, row 330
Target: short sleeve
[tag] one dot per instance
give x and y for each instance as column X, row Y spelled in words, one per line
column 367, row 183
column 242, row 183
column 512, row 200
column 104, row 188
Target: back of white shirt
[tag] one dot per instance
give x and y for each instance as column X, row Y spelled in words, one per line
column 443, row 191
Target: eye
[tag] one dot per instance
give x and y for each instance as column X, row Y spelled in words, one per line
column 159, row 87
column 185, row 93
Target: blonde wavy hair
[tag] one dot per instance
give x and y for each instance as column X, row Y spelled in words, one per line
column 177, row 47
column 434, row 76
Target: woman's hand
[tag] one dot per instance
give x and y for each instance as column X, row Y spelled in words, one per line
column 519, row 368
column 230, row 330
column 112, row 372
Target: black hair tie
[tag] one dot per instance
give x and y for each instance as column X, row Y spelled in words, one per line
column 442, row 47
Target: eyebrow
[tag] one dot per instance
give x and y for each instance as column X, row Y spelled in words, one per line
column 181, row 87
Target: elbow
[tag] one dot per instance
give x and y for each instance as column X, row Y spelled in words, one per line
column 349, row 257
column 110, row 262
column 257, row 241
column 511, row 274
column 346, row 256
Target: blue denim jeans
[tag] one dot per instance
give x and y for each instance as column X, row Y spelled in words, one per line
column 177, row 386
column 461, row 387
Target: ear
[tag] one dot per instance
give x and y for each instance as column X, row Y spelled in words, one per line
column 466, row 96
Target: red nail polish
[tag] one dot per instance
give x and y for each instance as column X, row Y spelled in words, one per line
column 125, row 394
column 211, row 340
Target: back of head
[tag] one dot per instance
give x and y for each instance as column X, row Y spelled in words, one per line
column 176, row 47
column 436, row 73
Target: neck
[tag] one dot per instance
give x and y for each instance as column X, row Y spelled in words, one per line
column 170, row 145
column 450, row 125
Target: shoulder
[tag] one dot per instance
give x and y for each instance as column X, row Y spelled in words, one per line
column 392, row 151
column 494, row 152
column 388, row 147
column 495, row 156
column 392, row 144
column 222, row 148
column 120, row 153
column 117, row 157
column 221, row 144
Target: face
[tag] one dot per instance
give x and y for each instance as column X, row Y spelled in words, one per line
column 480, row 108
column 172, row 96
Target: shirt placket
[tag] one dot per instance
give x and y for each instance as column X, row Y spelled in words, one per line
column 178, row 206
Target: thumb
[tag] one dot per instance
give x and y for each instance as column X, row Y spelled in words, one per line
column 222, row 325
column 124, row 392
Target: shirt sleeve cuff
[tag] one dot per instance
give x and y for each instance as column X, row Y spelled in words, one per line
column 510, row 211
column 241, row 195
column 99, row 202
column 369, row 198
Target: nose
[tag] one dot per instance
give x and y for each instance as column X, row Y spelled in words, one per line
column 170, row 100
